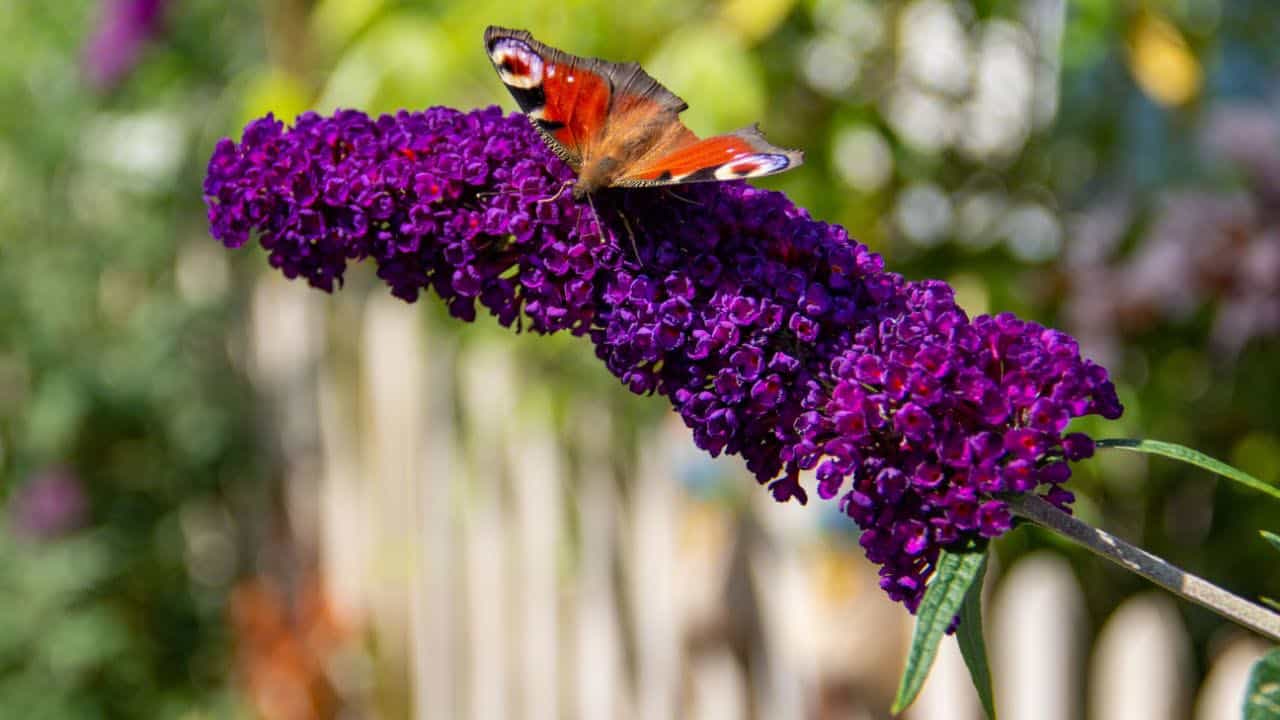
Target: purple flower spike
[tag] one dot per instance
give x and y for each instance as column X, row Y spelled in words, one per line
column 774, row 336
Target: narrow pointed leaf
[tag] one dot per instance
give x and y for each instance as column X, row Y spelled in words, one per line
column 1273, row 604
column 1193, row 457
column 1272, row 538
column 942, row 600
column 972, row 645
column 1262, row 698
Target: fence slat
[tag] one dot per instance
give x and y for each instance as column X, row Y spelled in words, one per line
column 1140, row 664
column 487, row 388
column 434, row 584
column 651, row 550
column 536, row 469
column 393, row 379
column 598, row 642
column 1222, row 694
column 948, row 694
column 1036, row 640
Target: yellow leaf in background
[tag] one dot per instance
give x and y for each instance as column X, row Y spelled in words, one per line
column 403, row 60
column 971, row 293
column 334, row 23
column 1161, row 61
column 274, row 91
column 755, row 19
column 415, row 62
column 1258, row 454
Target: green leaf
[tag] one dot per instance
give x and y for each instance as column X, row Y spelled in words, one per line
column 972, row 646
column 1273, row 604
column 1272, row 538
column 1193, row 457
column 1262, row 699
column 942, row 600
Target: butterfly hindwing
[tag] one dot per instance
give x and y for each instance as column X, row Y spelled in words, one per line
column 735, row 156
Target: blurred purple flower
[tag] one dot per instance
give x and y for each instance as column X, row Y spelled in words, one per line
column 1247, row 135
column 1199, row 248
column 775, row 337
column 51, row 504
column 124, row 27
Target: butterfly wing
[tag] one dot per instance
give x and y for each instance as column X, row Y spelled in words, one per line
column 574, row 100
column 741, row 154
column 616, row 125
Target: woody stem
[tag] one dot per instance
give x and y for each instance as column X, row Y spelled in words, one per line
column 1135, row 559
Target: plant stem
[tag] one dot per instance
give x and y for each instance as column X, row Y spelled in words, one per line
column 1184, row 584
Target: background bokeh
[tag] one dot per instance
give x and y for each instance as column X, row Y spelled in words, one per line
column 231, row 496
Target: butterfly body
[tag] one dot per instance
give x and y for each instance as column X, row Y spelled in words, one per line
column 618, row 127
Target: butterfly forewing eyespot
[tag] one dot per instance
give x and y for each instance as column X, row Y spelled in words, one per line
column 755, row 165
column 518, row 64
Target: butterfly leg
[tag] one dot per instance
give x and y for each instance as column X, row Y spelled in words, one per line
column 600, row 227
column 680, row 197
column 631, row 235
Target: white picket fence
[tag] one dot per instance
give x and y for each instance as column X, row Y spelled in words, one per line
column 498, row 576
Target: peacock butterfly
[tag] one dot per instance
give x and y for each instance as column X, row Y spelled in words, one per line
column 618, row 127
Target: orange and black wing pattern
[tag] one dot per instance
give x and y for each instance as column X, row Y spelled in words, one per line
column 572, row 99
column 597, row 114
column 735, row 156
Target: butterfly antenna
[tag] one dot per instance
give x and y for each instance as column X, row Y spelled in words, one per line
column 559, row 192
column 591, row 204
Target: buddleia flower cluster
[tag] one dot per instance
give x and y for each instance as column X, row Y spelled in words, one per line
column 774, row 336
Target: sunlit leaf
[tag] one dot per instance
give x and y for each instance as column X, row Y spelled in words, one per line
column 403, row 60
column 274, row 91
column 334, row 23
column 755, row 19
column 942, row 600
column 1272, row 538
column 1162, row 63
column 972, row 645
column 1193, row 457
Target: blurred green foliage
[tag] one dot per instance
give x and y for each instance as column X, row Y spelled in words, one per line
column 114, row 362
column 121, row 335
